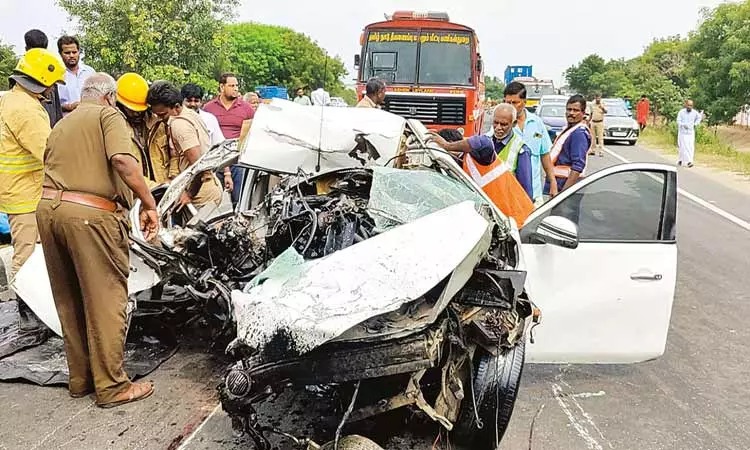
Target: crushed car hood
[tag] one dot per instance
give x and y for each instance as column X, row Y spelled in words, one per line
column 307, row 303
column 318, row 139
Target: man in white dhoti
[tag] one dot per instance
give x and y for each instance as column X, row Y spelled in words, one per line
column 687, row 120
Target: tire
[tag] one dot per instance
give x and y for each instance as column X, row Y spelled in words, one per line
column 495, row 387
column 632, row 142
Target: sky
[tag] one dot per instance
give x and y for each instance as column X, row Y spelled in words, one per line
column 551, row 35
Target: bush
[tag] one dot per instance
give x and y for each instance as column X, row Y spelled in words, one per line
column 704, row 135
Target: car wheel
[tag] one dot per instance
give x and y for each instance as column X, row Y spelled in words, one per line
column 632, row 142
column 495, row 388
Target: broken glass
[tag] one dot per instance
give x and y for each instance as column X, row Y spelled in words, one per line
column 401, row 196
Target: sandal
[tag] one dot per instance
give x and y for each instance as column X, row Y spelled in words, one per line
column 137, row 391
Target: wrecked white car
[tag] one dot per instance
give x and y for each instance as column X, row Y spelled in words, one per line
column 363, row 259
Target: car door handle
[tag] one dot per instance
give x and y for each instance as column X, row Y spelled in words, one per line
column 646, row 276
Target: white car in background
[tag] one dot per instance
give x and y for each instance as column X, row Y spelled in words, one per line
column 619, row 125
column 552, row 100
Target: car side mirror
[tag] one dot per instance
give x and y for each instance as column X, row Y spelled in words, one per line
column 357, row 61
column 556, row 230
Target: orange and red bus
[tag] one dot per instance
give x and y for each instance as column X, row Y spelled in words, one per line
column 432, row 68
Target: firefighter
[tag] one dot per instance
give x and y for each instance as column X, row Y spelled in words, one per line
column 149, row 133
column 24, row 128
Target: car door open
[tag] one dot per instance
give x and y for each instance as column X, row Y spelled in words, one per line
column 602, row 264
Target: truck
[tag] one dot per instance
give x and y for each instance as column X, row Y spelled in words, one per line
column 536, row 88
column 432, row 68
column 513, row 72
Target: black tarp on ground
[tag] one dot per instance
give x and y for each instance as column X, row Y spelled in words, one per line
column 149, row 344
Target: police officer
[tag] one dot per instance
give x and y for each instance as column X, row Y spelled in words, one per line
column 24, row 128
column 148, row 133
column 90, row 176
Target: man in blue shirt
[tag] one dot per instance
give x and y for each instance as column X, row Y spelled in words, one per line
column 503, row 134
column 76, row 72
column 571, row 146
column 535, row 136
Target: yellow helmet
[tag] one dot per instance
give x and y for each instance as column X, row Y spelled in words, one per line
column 132, row 90
column 42, row 66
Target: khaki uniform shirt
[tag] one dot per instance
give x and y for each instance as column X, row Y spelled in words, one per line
column 188, row 131
column 366, row 102
column 80, row 148
column 149, row 141
column 597, row 114
column 24, row 128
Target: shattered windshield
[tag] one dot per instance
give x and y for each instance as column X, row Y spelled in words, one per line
column 401, row 196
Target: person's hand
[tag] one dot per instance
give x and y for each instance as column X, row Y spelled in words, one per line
column 553, row 189
column 185, row 199
column 71, row 106
column 436, row 138
column 228, row 182
column 149, row 223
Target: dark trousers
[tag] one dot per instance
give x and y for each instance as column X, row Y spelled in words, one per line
column 86, row 251
column 238, row 177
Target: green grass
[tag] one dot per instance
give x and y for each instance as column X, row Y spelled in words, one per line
column 710, row 150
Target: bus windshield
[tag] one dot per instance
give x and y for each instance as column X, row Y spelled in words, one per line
column 410, row 57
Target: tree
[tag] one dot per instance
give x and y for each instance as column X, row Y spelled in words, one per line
column 580, row 77
column 669, row 55
column 493, row 87
column 273, row 55
column 8, row 62
column 719, row 65
column 666, row 97
column 349, row 96
column 177, row 40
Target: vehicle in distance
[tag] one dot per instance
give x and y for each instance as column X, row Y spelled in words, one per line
column 553, row 99
column 512, row 72
column 553, row 116
column 536, row 89
column 619, row 125
column 431, row 66
column 617, row 102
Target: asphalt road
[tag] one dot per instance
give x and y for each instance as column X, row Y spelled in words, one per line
column 694, row 397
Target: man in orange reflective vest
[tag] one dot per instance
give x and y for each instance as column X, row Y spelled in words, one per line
column 569, row 150
column 493, row 175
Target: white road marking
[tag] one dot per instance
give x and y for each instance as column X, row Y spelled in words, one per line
column 580, row 428
column 694, row 198
column 185, row 443
column 589, row 394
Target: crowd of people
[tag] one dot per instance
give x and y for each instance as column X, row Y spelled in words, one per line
column 76, row 148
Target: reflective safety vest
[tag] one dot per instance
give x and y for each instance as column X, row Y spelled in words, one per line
column 510, row 152
column 557, row 146
column 502, row 187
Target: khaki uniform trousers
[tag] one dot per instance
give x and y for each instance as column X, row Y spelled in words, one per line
column 23, row 235
column 598, row 129
column 86, row 251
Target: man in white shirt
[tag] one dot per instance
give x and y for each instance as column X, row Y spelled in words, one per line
column 687, row 120
column 76, row 72
column 320, row 97
column 300, row 98
column 192, row 97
